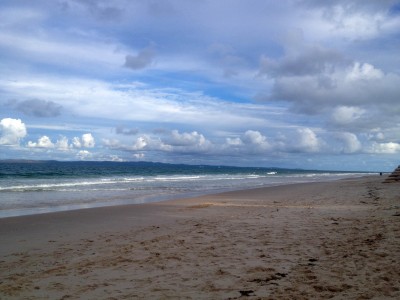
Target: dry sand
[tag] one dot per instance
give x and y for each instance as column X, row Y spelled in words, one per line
column 336, row 240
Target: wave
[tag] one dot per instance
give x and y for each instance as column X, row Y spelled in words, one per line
column 74, row 184
column 47, row 187
column 160, row 181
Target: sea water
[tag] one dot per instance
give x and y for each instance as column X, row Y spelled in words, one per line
column 48, row 186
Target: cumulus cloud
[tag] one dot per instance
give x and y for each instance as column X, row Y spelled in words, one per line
column 39, row 108
column 83, row 154
column 63, row 144
column 347, row 114
column 322, row 73
column 384, row 148
column 351, row 144
column 88, row 140
column 350, row 84
column 174, row 141
column 301, row 140
column 355, row 19
column 252, row 137
column 186, row 142
column 141, row 60
column 364, row 71
column 186, row 139
column 140, row 143
column 342, row 93
column 43, row 142
column 307, row 140
column 250, row 142
column 318, row 80
column 12, row 131
column 164, row 141
column 114, row 157
column 138, row 156
column 112, row 143
column 76, row 142
column 311, row 61
column 234, row 141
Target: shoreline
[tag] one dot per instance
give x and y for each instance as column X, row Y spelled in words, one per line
column 308, row 240
column 20, row 212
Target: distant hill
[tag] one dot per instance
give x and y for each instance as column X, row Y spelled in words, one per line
column 25, row 161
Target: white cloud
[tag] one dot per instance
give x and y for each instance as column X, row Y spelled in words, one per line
column 343, row 86
column 251, row 141
column 234, row 141
column 75, row 52
column 62, row 144
column 186, row 139
column 351, row 144
column 384, row 148
column 376, row 135
column 83, row 154
column 111, row 143
column 339, row 71
column 88, row 140
column 355, row 25
column 115, row 158
column 307, row 140
column 253, row 137
column 76, row 142
column 140, row 143
column 11, row 131
column 43, row 142
column 139, row 156
column 167, row 142
column 347, row 114
column 368, row 93
column 350, row 20
column 186, row 142
column 363, row 71
column 139, row 104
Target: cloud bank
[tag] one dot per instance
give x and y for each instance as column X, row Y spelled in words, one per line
column 11, row 131
column 304, row 83
column 39, row 108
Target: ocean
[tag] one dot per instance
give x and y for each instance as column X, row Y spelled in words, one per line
column 33, row 187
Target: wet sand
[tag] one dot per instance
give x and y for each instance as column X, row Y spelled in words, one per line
column 335, row 240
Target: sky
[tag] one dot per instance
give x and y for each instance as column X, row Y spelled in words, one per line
column 292, row 83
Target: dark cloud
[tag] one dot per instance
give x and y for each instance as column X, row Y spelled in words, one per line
column 313, row 61
column 161, row 8
column 317, row 80
column 143, row 59
column 102, row 10
column 307, row 91
column 39, row 108
column 351, row 5
column 126, row 131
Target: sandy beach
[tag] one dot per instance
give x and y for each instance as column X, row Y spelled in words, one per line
column 333, row 240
